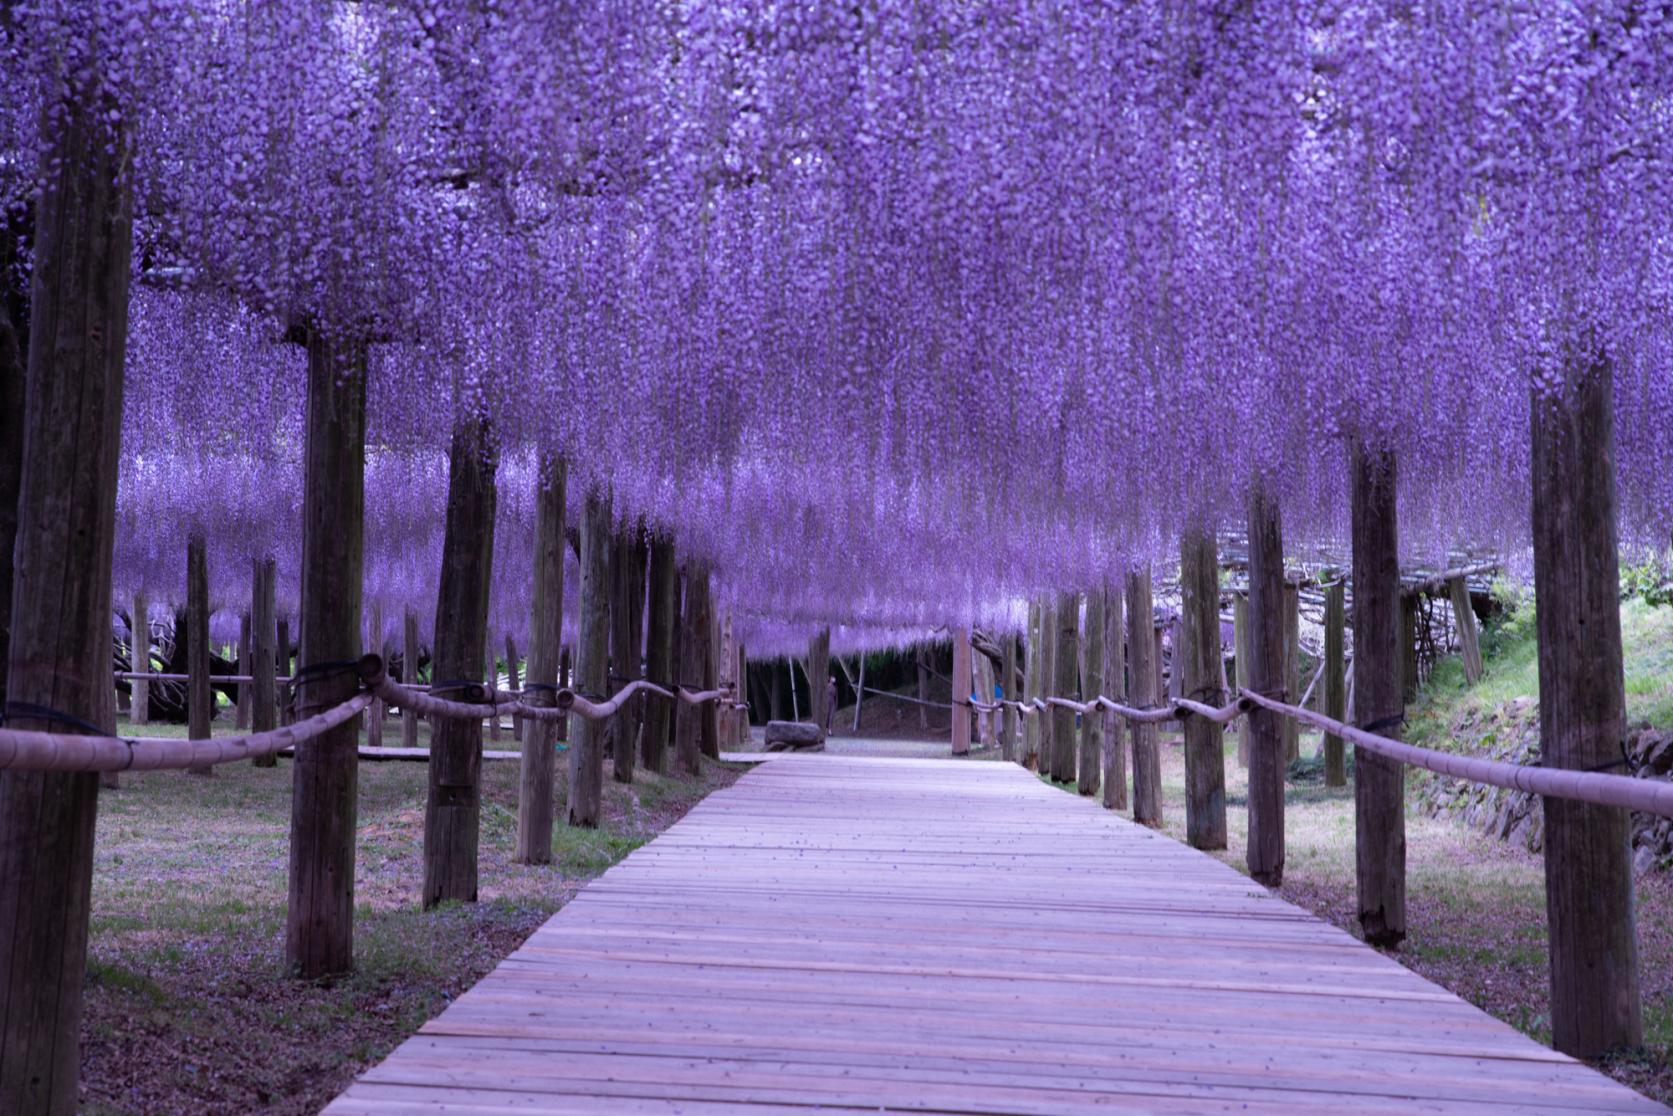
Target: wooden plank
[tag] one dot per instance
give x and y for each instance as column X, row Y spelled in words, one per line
column 836, row 933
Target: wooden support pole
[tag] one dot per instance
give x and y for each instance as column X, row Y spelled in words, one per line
column 660, row 649
column 57, row 578
column 1240, row 654
column 491, row 676
column 1089, row 770
column 1379, row 782
column 818, row 675
column 243, row 704
column 860, row 688
column 1409, row 605
column 1335, row 680
column 409, row 675
column 264, row 652
column 1199, row 662
column 453, row 809
column 592, row 666
column 1031, row 688
column 1047, row 683
column 1292, row 667
column 922, row 661
column 319, row 925
column 1582, row 711
column 709, row 712
column 627, row 581
column 1141, row 669
column 139, row 707
column 513, row 682
column 1008, row 718
column 374, row 643
column 283, row 669
column 535, row 806
column 694, row 622
column 1469, row 637
column 1265, row 674
column 200, row 698
column 1114, row 757
column 961, row 687
column 1065, row 683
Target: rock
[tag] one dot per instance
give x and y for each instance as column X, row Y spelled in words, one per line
column 1644, row 861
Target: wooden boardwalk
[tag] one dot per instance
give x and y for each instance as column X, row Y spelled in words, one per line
column 869, row 935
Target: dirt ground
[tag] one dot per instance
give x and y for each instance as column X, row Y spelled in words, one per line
column 188, row 1009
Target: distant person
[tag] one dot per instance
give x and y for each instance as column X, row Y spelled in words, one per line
column 830, row 703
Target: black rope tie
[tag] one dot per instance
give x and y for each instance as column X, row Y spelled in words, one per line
column 542, row 686
column 315, row 672
column 29, row 711
column 1207, row 694
column 476, row 690
column 1392, row 721
column 1625, row 761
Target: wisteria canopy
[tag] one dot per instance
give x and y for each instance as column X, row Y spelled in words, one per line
column 894, row 311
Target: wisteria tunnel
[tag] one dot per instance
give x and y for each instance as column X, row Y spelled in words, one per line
column 950, row 556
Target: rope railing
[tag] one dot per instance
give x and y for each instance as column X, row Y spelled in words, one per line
column 215, row 679
column 1647, row 796
column 28, row 750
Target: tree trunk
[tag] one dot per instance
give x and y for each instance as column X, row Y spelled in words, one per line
column 264, row 652
column 452, row 815
column 1008, row 686
column 1048, row 684
column 200, row 698
column 1582, row 713
column 1379, row 782
column 710, row 711
column 592, row 667
column 1335, row 681
column 960, row 689
column 694, row 624
column 1265, row 854
column 409, row 675
column 319, row 926
column 1197, row 657
column 1031, row 689
column 1469, row 639
column 1409, row 604
column 59, row 592
column 535, row 806
column 1115, row 686
column 140, row 705
column 1092, row 723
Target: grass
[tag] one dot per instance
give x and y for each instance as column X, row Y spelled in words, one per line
column 187, row 930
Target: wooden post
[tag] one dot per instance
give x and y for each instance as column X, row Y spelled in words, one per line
column 491, row 676
column 286, row 707
column 1115, row 686
column 1292, row 667
column 860, row 687
column 1379, row 782
column 1065, row 682
column 1582, row 712
column 140, row 704
column 1031, row 689
column 961, row 687
column 818, row 674
column 374, row 643
column 243, row 704
column 1197, row 657
column 1141, row 651
column 565, row 678
column 592, row 665
column 660, row 661
column 319, row 924
column 535, row 809
column 513, row 682
column 1335, row 680
column 626, row 581
column 694, row 623
column 200, row 699
column 710, row 711
column 923, row 687
column 1469, row 638
column 1265, row 674
column 59, row 568
column 409, row 674
column 1047, row 684
column 1240, row 653
column 452, row 813
column 264, row 652
column 1008, row 686
column 1090, row 768
column 1409, row 604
